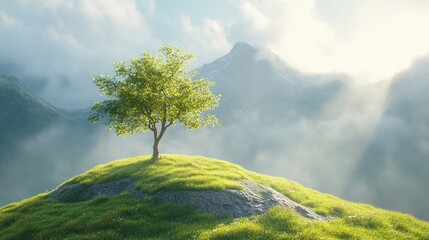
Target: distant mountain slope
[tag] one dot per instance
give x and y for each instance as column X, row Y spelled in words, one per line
column 255, row 81
column 408, row 97
column 126, row 200
column 394, row 170
column 35, row 138
column 22, row 111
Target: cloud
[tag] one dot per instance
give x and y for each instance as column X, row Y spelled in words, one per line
column 371, row 41
column 258, row 20
column 207, row 39
column 67, row 41
column 57, row 45
column 8, row 21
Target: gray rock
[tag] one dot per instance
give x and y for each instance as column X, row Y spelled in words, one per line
column 76, row 192
column 66, row 192
column 253, row 199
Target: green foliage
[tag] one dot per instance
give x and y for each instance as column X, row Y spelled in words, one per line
column 154, row 89
column 153, row 93
column 124, row 217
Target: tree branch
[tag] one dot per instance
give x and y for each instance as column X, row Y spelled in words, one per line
column 154, row 130
column 163, row 129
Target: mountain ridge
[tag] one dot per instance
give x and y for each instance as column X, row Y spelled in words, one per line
column 250, row 76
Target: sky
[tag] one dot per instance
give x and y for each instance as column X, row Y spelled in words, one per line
column 56, row 46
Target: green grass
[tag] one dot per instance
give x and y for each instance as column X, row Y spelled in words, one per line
column 171, row 172
column 119, row 217
column 123, row 217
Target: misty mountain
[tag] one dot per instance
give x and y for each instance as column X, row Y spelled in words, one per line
column 394, row 170
column 23, row 112
column 254, row 82
column 267, row 108
column 40, row 144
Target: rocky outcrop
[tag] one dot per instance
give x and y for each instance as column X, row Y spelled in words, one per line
column 253, row 199
column 76, row 192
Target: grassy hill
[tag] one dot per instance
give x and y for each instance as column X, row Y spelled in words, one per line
column 126, row 217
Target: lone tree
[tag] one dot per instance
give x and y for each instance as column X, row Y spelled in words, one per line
column 152, row 93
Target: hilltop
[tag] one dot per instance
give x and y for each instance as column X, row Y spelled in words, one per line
column 139, row 198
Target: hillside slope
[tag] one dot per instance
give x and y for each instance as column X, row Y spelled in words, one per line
column 36, row 138
column 137, row 211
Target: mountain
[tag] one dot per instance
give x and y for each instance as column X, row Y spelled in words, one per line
column 394, row 170
column 183, row 197
column 35, row 138
column 255, row 81
column 265, row 107
column 23, row 112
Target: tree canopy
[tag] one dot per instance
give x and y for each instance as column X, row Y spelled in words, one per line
column 152, row 93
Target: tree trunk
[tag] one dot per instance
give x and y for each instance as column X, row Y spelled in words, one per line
column 157, row 138
column 155, row 153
